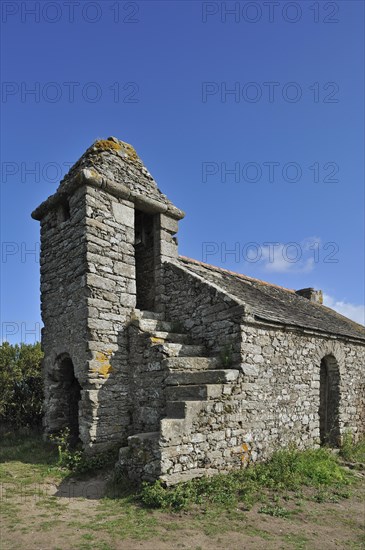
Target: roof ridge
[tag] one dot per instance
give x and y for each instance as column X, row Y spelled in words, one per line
column 241, row 275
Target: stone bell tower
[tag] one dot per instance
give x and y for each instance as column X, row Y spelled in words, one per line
column 105, row 234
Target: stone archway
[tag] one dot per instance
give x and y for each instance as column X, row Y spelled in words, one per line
column 65, row 396
column 329, row 402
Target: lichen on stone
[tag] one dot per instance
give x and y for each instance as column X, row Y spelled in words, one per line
column 105, row 144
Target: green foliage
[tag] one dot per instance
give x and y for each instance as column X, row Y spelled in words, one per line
column 67, row 456
column 353, row 452
column 156, row 496
column 75, row 460
column 274, row 510
column 25, row 458
column 21, row 398
column 287, row 470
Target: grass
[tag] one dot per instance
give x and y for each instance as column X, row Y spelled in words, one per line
column 288, row 470
column 275, row 511
column 353, row 452
column 26, row 459
column 298, row 542
column 278, row 488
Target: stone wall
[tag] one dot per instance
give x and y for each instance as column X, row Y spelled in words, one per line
column 88, row 285
column 275, row 400
column 88, row 293
column 63, row 303
column 147, row 380
column 111, row 298
column 207, row 313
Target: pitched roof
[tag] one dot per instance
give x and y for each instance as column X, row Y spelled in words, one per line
column 276, row 304
column 115, row 166
column 118, row 161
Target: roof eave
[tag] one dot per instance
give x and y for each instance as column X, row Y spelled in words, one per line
column 118, row 190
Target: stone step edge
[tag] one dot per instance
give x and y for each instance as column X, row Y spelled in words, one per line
column 145, row 314
column 180, row 363
column 151, row 325
column 203, row 376
column 179, row 350
column 187, row 475
column 211, row 391
column 165, row 335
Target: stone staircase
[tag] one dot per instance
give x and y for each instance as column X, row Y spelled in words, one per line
column 192, row 378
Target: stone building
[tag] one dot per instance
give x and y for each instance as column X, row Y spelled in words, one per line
column 189, row 368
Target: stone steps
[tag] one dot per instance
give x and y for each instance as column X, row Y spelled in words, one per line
column 175, row 409
column 188, row 475
column 191, row 363
column 152, row 325
column 172, row 337
column 198, row 392
column 192, row 379
column 173, row 349
column 144, row 314
column 217, row 376
column 141, row 457
column 161, row 331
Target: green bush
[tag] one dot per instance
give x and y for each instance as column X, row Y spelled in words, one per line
column 21, row 396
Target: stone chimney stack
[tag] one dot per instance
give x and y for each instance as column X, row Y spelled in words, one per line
column 311, row 294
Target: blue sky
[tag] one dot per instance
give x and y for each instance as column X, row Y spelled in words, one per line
column 251, row 120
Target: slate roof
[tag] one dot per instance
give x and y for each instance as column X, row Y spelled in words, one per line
column 118, row 162
column 276, row 304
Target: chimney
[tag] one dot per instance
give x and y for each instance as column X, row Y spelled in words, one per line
column 311, row 294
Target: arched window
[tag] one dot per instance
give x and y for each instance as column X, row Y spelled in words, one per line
column 329, row 424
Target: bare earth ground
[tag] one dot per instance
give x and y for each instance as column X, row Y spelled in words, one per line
column 73, row 515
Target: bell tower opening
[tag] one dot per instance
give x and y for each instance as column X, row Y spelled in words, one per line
column 144, row 244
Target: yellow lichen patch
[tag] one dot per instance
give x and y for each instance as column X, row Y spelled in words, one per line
column 106, row 144
column 104, row 368
column 90, row 173
column 155, row 340
column 245, row 456
column 130, row 151
column 102, row 357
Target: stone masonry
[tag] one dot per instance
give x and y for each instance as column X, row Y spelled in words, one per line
column 188, row 368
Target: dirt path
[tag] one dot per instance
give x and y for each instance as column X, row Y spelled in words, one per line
column 73, row 516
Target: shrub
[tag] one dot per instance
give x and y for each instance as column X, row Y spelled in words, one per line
column 21, row 398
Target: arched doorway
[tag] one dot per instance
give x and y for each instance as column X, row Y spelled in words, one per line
column 67, row 394
column 329, row 424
